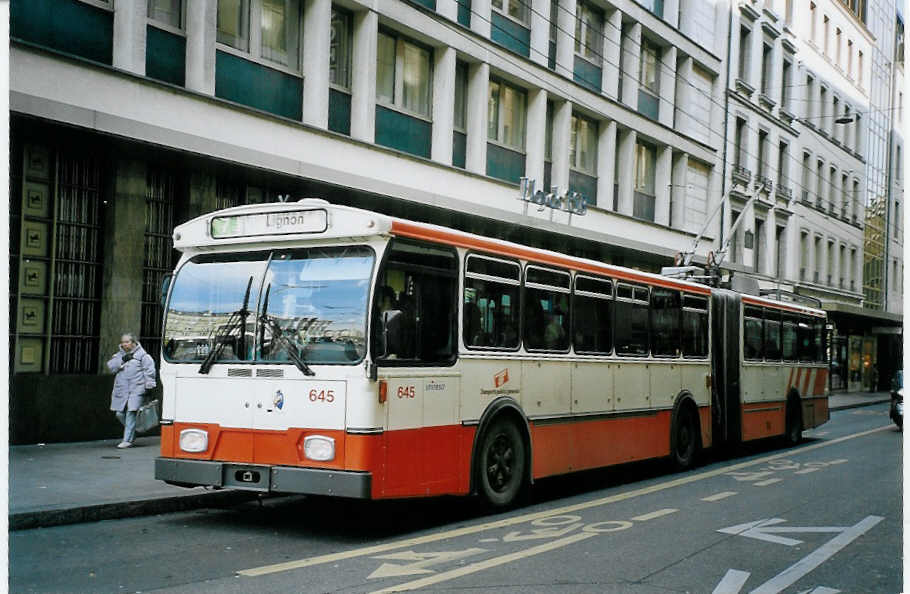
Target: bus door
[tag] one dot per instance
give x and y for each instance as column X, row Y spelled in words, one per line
column 725, row 388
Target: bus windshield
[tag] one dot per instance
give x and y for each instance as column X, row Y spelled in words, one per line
column 305, row 303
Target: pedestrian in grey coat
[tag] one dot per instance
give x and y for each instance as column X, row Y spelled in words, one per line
column 135, row 373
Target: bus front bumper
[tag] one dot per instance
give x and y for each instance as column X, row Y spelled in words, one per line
column 264, row 478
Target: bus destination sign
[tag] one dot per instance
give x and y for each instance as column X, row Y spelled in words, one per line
column 270, row 223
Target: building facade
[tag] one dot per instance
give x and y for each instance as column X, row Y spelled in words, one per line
column 129, row 117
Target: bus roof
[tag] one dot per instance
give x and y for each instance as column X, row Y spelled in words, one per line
column 314, row 218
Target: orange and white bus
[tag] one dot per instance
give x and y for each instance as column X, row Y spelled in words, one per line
column 320, row 349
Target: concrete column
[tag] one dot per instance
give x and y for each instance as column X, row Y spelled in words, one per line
column 679, row 192
column 626, row 173
column 606, row 164
column 480, row 17
column 317, row 22
column 562, row 133
column 684, row 99
column 477, row 116
column 201, row 24
column 121, row 292
column 836, row 192
column 363, row 83
column 671, row 12
column 443, row 104
column 129, row 36
column 755, row 58
column 565, row 38
column 773, row 159
column 448, row 9
column 751, row 157
column 631, row 61
column 201, row 193
column 770, row 255
column 667, row 74
column 663, row 182
column 537, row 136
column 611, row 51
column 540, row 31
column 789, row 267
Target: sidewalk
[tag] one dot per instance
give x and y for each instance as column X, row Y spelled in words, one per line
column 68, row 483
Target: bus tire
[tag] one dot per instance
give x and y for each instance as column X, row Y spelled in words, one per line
column 793, row 433
column 684, row 437
column 501, row 463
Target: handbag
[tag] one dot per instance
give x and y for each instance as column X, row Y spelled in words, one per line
column 147, row 416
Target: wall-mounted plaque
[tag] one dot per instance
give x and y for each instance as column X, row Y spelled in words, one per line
column 34, row 239
column 35, row 202
column 37, row 162
column 31, row 316
column 29, row 355
column 33, row 277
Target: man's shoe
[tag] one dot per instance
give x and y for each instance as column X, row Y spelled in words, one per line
column 125, row 444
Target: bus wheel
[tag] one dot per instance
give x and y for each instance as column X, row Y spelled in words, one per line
column 684, row 439
column 501, row 464
column 794, row 431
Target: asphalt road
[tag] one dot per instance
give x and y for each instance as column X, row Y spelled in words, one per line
column 821, row 518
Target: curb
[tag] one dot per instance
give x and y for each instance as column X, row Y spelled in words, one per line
column 860, row 404
column 126, row 509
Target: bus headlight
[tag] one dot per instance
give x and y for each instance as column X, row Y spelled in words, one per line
column 318, row 447
column 194, row 440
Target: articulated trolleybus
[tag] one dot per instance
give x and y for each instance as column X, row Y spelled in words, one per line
column 320, row 349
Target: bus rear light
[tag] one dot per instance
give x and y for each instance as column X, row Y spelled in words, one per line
column 383, row 391
column 194, row 440
column 319, row 448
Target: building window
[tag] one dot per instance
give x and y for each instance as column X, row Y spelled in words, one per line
column 506, row 123
column 589, row 33
column 785, row 92
column 583, row 146
column 516, row 9
column 167, row 12
column 766, row 65
column 649, row 77
column 645, row 159
column 275, row 23
column 340, row 46
column 403, row 75
column 739, row 156
column 461, row 93
column 745, row 46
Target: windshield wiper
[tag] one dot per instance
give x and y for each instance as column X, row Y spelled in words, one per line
column 225, row 331
column 278, row 334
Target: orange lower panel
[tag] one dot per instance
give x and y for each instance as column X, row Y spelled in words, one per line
column 763, row 419
column 815, row 412
column 559, row 448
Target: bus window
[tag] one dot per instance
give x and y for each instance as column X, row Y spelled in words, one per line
column 805, row 339
column 789, row 338
column 752, row 333
column 694, row 326
column 492, row 307
column 417, row 283
column 631, row 321
column 772, row 335
column 665, row 334
column 821, row 335
column 546, row 319
column 592, row 307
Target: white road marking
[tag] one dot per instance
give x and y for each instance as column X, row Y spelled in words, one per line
column 807, row 470
column 421, row 561
column 541, row 533
column 750, row 476
column 766, row 529
column 719, row 496
column 824, row 590
column 489, row 540
column 654, row 514
column 732, row 583
column 839, row 461
column 487, row 564
column 521, row 519
column 792, row 574
column 768, row 482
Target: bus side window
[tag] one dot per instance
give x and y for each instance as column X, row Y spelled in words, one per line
column 772, row 335
column 752, row 333
column 695, row 326
column 546, row 319
column 592, row 315
column 806, row 339
column 665, row 313
column 821, row 335
column 491, row 301
column 789, row 338
column 630, row 325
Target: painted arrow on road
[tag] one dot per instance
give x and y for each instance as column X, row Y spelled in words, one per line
column 420, row 562
column 766, row 530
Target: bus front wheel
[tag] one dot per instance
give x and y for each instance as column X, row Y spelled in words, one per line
column 501, row 464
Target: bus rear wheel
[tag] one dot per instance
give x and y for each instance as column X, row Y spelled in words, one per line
column 794, row 431
column 501, row 464
column 684, row 438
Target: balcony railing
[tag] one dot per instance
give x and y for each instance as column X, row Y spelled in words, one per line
column 784, row 193
column 815, row 277
column 764, row 183
column 806, row 199
column 741, row 175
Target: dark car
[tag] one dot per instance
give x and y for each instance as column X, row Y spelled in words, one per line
column 897, row 399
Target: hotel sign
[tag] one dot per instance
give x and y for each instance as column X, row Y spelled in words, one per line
column 271, row 223
column 571, row 202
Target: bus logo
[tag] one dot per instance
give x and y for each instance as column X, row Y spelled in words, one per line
column 501, row 378
column 278, row 399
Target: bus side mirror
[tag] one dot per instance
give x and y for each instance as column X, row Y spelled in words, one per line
column 392, row 333
column 165, row 286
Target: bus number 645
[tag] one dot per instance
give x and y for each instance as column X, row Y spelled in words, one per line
column 322, row 395
column 406, row 391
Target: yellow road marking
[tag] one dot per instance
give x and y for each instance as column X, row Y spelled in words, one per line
column 506, row 522
column 719, row 496
column 654, row 514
